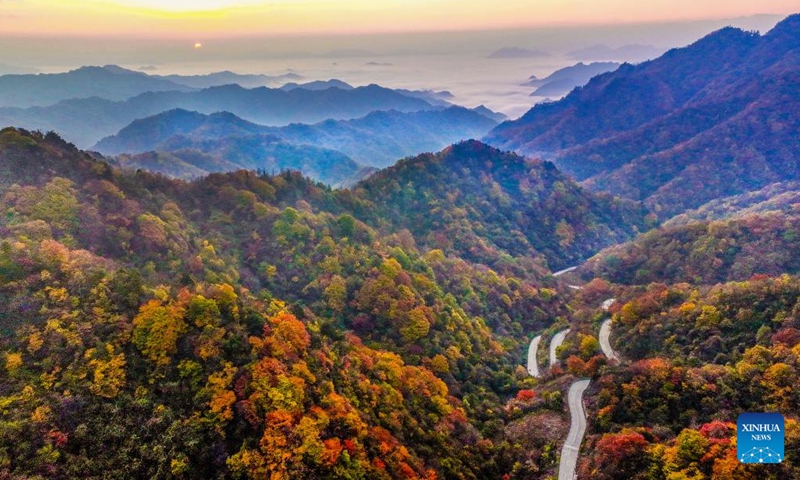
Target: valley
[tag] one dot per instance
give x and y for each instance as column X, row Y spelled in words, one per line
column 296, row 275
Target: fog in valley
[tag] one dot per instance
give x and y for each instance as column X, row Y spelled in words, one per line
column 478, row 68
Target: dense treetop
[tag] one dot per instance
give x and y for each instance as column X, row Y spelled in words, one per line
column 249, row 326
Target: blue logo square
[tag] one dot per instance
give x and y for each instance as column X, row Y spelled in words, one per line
column 760, row 437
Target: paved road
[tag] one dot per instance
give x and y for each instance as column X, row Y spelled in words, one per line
column 562, row 272
column 533, row 350
column 577, row 427
column 607, row 304
column 605, row 342
column 556, row 342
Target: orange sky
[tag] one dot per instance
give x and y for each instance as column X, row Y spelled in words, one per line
column 219, row 18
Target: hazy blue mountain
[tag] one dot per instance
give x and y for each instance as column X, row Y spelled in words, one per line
column 109, row 82
column 149, row 133
column 268, row 153
column 714, row 119
column 564, row 80
column 437, row 98
column 381, row 138
column 516, row 52
column 86, row 121
column 378, row 139
column 318, row 85
column 496, row 116
column 217, row 79
column 579, row 70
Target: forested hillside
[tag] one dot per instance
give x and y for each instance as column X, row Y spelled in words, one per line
column 711, row 120
column 696, row 359
column 306, row 334
column 705, row 252
column 492, row 206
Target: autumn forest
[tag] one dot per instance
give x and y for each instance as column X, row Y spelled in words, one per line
column 230, row 300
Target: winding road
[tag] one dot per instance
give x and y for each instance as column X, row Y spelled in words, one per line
column 562, row 272
column 571, row 449
column 577, row 427
column 556, row 342
column 605, row 342
column 605, row 334
column 607, row 304
column 533, row 350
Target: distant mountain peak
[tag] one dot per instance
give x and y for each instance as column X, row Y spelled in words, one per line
column 105, row 69
column 230, row 87
column 318, row 85
column 110, row 82
column 116, row 69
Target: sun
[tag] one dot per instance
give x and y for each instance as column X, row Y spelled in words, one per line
column 198, row 46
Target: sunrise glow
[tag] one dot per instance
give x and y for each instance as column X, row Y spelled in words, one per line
column 218, row 18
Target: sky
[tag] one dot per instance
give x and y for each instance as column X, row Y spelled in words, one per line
column 203, row 20
column 413, row 44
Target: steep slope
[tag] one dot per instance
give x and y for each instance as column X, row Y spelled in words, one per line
column 710, row 120
column 225, row 321
column 697, row 359
column 776, row 197
column 376, row 140
column 487, row 205
column 704, row 252
column 628, row 97
column 109, row 82
column 86, row 121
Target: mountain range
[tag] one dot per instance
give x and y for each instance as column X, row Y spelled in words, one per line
column 713, row 119
column 376, row 140
column 112, row 82
column 192, row 159
column 257, row 323
column 109, row 82
column 316, row 274
column 217, row 79
column 88, row 120
column 318, row 85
